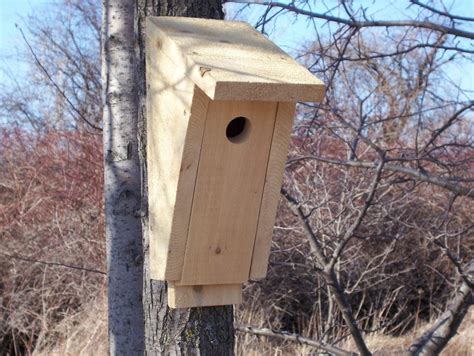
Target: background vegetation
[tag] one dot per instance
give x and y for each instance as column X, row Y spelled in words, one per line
column 374, row 229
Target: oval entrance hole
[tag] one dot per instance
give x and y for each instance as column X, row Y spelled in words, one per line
column 238, row 129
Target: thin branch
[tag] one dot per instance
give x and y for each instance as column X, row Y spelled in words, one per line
column 442, row 13
column 312, row 237
column 54, row 264
column 56, row 86
column 448, row 123
column 438, row 335
column 329, row 275
column 355, row 225
column 361, row 24
column 414, row 173
column 293, row 337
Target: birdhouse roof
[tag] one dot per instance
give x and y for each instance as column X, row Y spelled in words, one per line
column 229, row 60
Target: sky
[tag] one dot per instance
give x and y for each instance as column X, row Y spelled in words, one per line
column 11, row 12
column 289, row 33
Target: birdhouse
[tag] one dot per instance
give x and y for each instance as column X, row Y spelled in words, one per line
column 220, row 106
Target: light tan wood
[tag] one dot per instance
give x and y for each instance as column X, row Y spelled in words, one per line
column 228, row 194
column 203, row 296
column 229, row 60
column 271, row 192
column 176, row 111
column 212, row 200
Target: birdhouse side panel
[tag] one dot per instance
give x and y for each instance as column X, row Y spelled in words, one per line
column 271, row 191
column 176, row 110
column 186, row 184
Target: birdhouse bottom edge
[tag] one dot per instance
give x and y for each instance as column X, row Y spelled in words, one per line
column 203, row 295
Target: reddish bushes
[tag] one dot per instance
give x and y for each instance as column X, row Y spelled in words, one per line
column 50, row 212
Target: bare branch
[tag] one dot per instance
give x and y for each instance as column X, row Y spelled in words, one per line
column 355, row 225
column 414, row 173
column 313, row 239
column 60, row 91
column 437, row 336
column 293, row 337
column 361, row 24
column 54, row 264
column 442, row 13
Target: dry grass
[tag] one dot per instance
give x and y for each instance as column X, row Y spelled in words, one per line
column 381, row 345
column 461, row 345
column 86, row 334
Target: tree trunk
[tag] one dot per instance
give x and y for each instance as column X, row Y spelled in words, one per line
column 207, row 331
column 122, row 180
column 147, row 325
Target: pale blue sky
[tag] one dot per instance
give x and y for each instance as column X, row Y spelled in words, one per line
column 289, row 32
column 11, row 12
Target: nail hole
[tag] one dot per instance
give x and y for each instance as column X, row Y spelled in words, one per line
column 238, row 129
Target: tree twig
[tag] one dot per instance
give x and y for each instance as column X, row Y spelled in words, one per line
column 442, row 13
column 355, row 225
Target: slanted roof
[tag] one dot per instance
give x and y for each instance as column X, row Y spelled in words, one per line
column 229, row 60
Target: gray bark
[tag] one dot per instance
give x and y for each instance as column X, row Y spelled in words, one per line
column 122, row 180
column 337, row 293
column 196, row 331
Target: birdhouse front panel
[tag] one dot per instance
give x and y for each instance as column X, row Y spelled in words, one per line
column 220, row 106
column 228, row 193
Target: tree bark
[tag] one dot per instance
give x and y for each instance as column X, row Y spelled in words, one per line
column 337, row 293
column 196, row 331
column 122, row 180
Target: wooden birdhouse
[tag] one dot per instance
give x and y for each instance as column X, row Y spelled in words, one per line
column 220, row 106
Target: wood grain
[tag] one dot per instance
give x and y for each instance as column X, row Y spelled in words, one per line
column 228, row 194
column 213, row 200
column 271, row 192
column 229, row 60
column 176, row 111
column 203, row 296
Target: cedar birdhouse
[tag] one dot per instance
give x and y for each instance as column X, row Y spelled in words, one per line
column 220, row 106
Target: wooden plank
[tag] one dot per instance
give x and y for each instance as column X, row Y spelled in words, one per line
column 271, row 192
column 176, row 112
column 229, row 60
column 203, row 296
column 228, row 194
